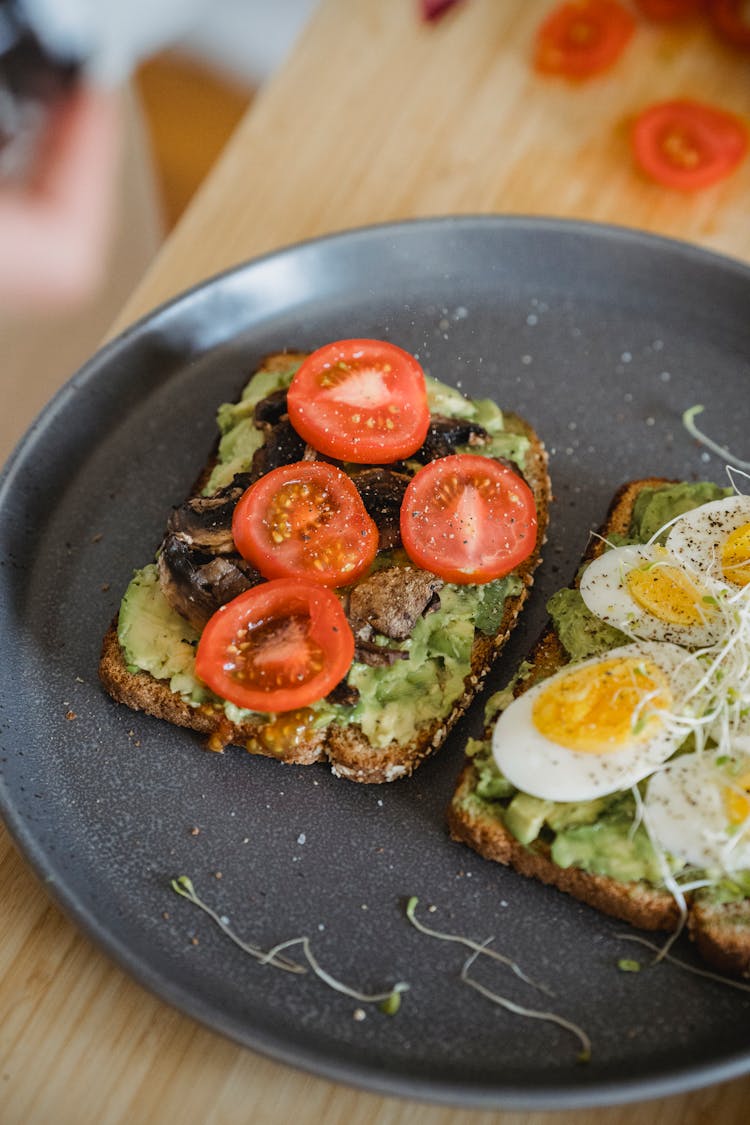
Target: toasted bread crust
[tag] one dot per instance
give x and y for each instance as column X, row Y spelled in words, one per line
column 637, row 903
column 346, row 748
column 720, row 932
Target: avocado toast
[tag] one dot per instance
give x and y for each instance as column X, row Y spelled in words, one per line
column 651, row 862
column 423, row 645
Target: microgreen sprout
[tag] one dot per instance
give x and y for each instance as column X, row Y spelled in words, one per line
column 662, row 956
column 477, row 947
column 627, row 965
column 720, row 450
column 519, row 1010
column 183, row 886
column 638, row 815
column 388, row 1001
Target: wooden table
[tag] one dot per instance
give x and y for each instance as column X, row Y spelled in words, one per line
column 375, row 117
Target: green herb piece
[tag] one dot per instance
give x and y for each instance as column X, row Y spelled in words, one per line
column 183, row 886
column 391, row 999
column 661, row 955
column 584, row 1054
column 477, row 947
column 389, row 1002
column 625, row 965
column 719, row 450
column 391, row 1005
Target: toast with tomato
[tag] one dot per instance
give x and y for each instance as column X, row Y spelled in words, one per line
column 346, row 569
column 667, row 846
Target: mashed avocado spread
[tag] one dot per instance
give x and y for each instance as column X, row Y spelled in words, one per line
column 596, row 836
column 393, row 699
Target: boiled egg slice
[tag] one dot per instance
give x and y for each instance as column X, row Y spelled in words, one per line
column 714, row 541
column 597, row 725
column 645, row 592
column 697, row 809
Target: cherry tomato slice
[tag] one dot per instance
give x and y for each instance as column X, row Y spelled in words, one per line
column 663, row 11
column 360, row 400
column 305, row 520
column 731, row 19
column 688, row 145
column 278, row 647
column 468, row 518
column 580, row 38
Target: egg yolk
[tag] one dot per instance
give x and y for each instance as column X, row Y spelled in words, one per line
column 737, row 800
column 735, row 556
column 604, row 706
column 667, row 593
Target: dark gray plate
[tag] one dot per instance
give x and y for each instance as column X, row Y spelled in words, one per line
column 599, row 336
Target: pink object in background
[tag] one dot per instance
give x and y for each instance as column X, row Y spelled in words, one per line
column 434, row 9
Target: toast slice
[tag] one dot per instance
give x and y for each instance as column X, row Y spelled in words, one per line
column 720, row 928
column 337, row 737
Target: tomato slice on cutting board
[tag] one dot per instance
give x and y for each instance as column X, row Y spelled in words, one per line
column 305, row 520
column 363, row 401
column 278, row 647
column 582, row 37
column 468, row 518
column 688, row 145
column 731, row 19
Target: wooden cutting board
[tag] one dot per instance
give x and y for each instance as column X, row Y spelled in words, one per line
column 378, row 116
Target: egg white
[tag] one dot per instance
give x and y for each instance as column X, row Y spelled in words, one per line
column 605, row 593
column 537, row 765
column 686, row 815
column 697, row 537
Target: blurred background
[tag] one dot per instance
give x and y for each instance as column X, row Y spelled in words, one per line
column 180, row 106
column 193, row 94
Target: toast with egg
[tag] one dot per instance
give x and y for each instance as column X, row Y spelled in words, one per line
column 717, row 917
column 393, row 738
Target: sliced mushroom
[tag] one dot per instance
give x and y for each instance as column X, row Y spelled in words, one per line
column 382, row 492
column 345, row 694
column 446, row 434
column 196, row 583
column 205, row 522
column 391, row 601
column 282, row 446
column 270, row 409
column 378, row 656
